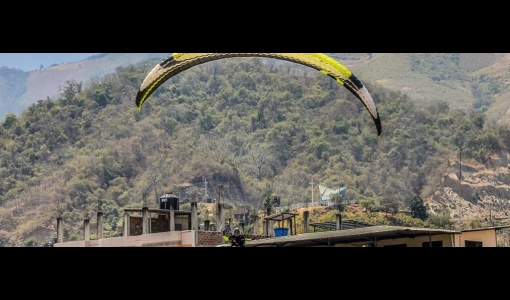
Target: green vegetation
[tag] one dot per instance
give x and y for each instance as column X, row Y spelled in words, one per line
column 251, row 126
column 418, row 208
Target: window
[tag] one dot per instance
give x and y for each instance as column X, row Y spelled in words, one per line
column 433, row 244
column 473, row 244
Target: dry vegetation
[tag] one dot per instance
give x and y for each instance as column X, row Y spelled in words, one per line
column 391, row 71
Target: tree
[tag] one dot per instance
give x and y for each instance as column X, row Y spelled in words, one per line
column 390, row 205
column 31, row 242
column 441, row 221
column 262, row 160
column 370, row 205
column 69, row 91
column 338, row 200
column 271, row 201
column 267, row 202
column 10, row 120
column 418, row 208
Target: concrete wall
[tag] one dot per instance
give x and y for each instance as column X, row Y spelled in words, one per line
column 163, row 239
column 447, row 239
column 188, row 238
column 488, row 237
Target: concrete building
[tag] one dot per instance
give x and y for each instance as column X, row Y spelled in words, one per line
column 351, row 233
column 156, row 227
column 386, row 236
column 167, row 227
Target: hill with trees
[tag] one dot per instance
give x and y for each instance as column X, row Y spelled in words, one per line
column 255, row 127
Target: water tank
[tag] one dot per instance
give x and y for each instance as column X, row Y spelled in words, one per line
column 281, row 232
column 168, row 201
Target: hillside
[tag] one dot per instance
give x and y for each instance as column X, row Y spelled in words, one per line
column 426, row 78
column 466, row 80
column 35, row 61
column 256, row 129
column 47, row 83
column 482, row 192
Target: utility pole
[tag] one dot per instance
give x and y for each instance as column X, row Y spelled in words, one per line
column 86, row 211
column 460, row 171
column 492, row 206
column 219, row 192
column 205, row 189
column 312, row 190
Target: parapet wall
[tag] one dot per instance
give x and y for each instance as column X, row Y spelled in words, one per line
column 214, row 238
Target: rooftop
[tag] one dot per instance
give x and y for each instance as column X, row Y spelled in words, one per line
column 361, row 234
column 347, row 224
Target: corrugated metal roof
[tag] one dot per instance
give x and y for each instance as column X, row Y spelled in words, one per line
column 347, row 224
column 347, row 236
column 281, row 216
column 169, row 195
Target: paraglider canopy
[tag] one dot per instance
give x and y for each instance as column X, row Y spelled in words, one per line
column 178, row 62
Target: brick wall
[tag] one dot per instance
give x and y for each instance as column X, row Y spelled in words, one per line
column 157, row 225
column 161, row 224
column 135, row 226
column 209, row 238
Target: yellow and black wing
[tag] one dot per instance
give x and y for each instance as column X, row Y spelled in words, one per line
column 178, row 62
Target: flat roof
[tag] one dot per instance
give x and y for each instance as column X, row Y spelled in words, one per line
column 158, row 210
column 362, row 234
column 487, row 228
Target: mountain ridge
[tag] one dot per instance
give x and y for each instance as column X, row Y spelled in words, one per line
column 391, row 70
column 47, row 82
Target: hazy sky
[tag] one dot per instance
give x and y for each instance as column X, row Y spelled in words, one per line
column 33, row 61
